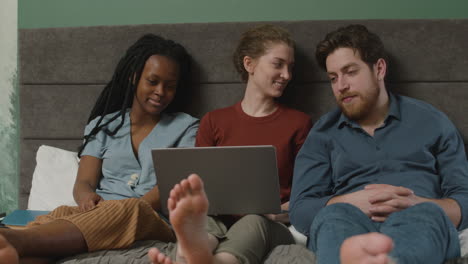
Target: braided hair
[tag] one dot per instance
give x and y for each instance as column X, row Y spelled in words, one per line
column 117, row 95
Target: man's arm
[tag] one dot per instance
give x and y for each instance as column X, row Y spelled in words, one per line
column 378, row 201
column 312, row 181
column 363, row 199
column 388, row 199
column 452, row 166
column 450, row 206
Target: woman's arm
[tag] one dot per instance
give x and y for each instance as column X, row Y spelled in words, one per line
column 152, row 197
column 84, row 190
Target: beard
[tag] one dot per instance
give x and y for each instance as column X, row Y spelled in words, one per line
column 359, row 110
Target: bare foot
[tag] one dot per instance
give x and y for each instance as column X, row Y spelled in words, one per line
column 8, row 254
column 366, row 248
column 188, row 206
column 156, row 257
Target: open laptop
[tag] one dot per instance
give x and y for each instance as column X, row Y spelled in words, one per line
column 237, row 180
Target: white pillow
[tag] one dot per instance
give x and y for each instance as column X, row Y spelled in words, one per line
column 463, row 235
column 53, row 179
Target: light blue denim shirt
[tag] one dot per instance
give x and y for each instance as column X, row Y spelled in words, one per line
column 125, row 176
column 417, row 147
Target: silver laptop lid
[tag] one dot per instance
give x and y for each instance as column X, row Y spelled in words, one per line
column 237, row 180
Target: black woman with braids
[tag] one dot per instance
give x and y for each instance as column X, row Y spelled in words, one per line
column 116, row 189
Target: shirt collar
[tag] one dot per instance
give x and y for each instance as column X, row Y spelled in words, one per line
column 393, row 111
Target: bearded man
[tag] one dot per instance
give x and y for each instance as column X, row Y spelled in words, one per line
column 380, row 163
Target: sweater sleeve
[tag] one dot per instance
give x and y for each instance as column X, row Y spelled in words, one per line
column 96, row 145
column 205, row 135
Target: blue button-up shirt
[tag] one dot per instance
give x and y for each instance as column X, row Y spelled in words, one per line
column 123, row 174
column 417, row 147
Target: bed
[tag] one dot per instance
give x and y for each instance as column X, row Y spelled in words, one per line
column 62, row 71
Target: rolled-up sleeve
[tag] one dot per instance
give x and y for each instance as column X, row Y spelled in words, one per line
column 312, row 181
column 188, row 138
column 96, row 144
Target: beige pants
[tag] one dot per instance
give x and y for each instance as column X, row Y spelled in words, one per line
column 250, row 239
column 113, row 224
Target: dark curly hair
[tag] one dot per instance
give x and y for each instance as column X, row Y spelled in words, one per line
column 117, row 95
column 356, row 37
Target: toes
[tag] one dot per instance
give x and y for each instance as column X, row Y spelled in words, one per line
column 196, row 183
column 382, row 259
column 157, row 257
column 161, row 258
column 172, row 194
column 376, row 243
column 186, row 188
column 176, row 192
column 153, row 255
column 171, row 204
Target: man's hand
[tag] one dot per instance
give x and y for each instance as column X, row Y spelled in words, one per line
column 89, row 201
column 282, row 218
column 389, row 199
column 360, row 199
column 378, row 201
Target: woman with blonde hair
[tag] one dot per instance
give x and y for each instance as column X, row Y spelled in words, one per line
column 264, row 59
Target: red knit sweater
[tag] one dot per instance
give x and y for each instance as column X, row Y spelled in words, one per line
column 286, row 129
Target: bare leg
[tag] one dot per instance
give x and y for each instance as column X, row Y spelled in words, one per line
column 366, row 249
column 52, row 240
column 8, row 254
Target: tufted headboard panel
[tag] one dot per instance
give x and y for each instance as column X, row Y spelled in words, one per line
column 62, row 71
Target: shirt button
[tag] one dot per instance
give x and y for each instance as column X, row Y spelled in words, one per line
column 134, row 176
column 130, row 183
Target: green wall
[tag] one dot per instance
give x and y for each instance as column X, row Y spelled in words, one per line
column 72, row 13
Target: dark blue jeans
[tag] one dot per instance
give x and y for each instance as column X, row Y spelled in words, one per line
column 421, row 234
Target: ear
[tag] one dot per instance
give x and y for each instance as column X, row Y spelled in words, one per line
column 249, row 64
column 380, row 69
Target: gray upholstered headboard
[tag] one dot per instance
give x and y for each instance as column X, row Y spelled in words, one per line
column 63, row 70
